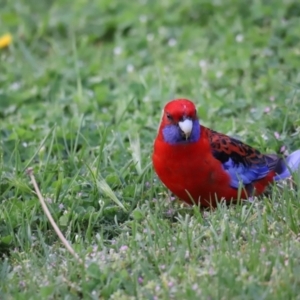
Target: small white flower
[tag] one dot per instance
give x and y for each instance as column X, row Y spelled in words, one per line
column 284, row 22
column 150, row 37
column 117, row 50
column 49, row 200
column 162, row 30
column 204, row 83
column 202, row 64
column 15, row 86
column 130, row 68
column 172, row 42
column 239, row 38
column 267, row 52
column 143, row 19
column 219, row 74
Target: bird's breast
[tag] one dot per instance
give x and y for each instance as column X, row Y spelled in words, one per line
column 188, row 169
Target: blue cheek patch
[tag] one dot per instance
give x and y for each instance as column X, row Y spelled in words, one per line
column 172, row 134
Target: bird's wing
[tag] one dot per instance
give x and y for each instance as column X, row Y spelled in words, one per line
column 243, row 163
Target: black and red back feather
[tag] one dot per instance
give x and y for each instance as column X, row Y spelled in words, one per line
column 242, row 161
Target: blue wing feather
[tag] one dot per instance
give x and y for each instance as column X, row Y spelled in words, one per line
column 239, row 173
column 243, row 163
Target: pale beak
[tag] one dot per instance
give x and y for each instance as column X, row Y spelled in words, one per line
column 186, row 126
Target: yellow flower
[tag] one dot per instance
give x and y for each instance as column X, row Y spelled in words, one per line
column 5, row 40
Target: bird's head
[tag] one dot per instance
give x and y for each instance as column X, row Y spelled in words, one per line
column 179, row 122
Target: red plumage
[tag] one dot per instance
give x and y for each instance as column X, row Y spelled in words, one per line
column 200, row 164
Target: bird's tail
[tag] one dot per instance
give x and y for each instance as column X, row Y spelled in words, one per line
column 287, row 166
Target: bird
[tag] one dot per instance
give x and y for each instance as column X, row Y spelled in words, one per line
column 204, row 167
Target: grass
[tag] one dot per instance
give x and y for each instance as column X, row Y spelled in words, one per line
column 81, row 90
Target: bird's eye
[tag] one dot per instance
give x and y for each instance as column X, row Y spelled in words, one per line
column 169, row 117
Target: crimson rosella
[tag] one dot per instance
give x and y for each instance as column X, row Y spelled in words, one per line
column 202, row 166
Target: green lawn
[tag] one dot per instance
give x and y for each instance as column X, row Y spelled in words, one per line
column 81, row 92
